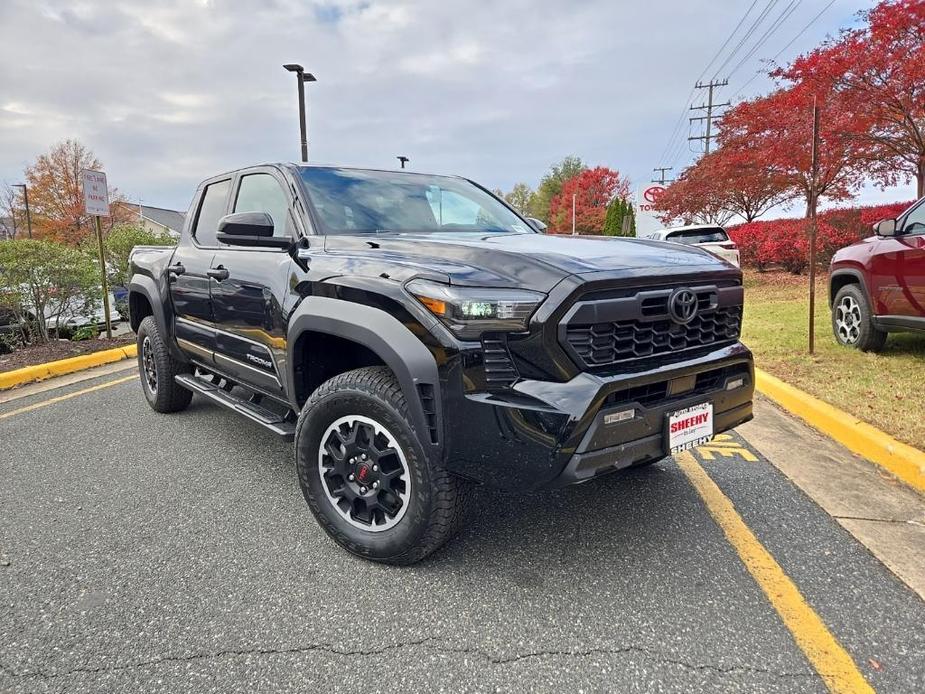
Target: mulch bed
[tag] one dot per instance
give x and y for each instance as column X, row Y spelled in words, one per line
column 58, row 349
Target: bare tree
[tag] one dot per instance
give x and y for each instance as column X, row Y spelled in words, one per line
column 9, row 210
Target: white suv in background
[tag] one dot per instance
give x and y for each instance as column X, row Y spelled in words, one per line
column 710, row 237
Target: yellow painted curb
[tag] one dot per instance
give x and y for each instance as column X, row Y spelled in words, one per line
column 39, row 372
column 902, row 460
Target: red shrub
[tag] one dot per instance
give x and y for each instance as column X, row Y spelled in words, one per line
column 785, row 242
column 872, row 214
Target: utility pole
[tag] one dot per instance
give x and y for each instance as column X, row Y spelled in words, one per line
column 573, row 213
column 302, row 77
column 661, row 180
column 25, row 196
column 403, row 160
column 812, row 229
column 708, row 107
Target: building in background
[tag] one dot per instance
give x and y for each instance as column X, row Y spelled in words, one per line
column 156, row 219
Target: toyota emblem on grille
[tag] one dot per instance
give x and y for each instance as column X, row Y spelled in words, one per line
column 682, row 306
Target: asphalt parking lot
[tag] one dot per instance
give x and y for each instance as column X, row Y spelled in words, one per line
column 174, row 553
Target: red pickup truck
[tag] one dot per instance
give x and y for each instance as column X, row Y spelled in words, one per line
column 877, row 286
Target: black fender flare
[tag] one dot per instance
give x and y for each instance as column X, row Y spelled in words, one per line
column 411, row 362
column 147, row 287
column 846, row 272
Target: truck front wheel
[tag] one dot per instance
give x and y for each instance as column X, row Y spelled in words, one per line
column 157, row 369
column 365, row 475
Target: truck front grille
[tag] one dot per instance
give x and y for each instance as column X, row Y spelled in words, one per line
column 643, row 329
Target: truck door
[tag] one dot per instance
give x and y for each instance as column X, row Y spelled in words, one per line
column 898, row 268
column 194, row 323
column 249, row 287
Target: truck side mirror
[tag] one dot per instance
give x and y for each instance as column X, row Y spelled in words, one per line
column 537, row 224
column 885, row 227
column 250, row 229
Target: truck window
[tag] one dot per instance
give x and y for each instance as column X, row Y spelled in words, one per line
column 695, row 236
column 211, row 209
column 262, row 193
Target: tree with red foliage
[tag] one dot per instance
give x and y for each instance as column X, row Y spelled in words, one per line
column 721, row 184
column 56, row 198
column 880, row 71
column 774, row 134
column 694, row 198
column 593, row 190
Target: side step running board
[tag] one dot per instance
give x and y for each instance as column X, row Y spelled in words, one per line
column 276, row 423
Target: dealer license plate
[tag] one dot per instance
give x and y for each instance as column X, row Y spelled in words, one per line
column 690, row 427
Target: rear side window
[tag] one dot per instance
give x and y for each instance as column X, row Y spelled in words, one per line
column 262, row 193
column 211, row 209
column 695, row 236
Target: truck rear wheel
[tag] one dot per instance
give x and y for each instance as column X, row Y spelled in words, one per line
column 157, row 369
column 365, row 475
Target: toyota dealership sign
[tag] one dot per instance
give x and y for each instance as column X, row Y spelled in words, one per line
column 648, row 197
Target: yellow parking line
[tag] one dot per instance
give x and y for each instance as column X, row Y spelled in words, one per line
column 725, row 446
column 60, row 398
column 827, row 655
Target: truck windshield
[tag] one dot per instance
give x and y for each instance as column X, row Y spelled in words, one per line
column 354, row 201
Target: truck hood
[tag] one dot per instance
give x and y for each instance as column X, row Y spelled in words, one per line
column 537, row 261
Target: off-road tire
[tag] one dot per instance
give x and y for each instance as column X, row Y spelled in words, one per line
column 437, row 499
column 869, row 338
column 168, row 395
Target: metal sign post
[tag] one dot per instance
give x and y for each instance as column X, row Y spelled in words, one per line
column 813, row 198
column 96, row 203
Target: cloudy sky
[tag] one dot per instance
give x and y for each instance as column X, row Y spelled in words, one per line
column 169, row 92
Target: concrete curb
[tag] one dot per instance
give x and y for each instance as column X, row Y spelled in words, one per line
column 39, row 372
column 903, row 461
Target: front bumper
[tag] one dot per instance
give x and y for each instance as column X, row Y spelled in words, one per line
column 546, row 434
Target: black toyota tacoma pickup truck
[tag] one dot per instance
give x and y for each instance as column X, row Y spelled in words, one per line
column 414, row 335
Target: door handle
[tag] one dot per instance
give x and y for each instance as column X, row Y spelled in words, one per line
column 177, row 269
column 218, row 273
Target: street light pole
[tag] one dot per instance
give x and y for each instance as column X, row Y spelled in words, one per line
column 25, row 195
column 301, row 78
column 403, row 159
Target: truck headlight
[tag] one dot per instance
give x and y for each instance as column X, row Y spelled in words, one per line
column 471, row 311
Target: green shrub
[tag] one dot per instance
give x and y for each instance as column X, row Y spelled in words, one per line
column 36, row 275
column 618, row 211
column 85, row 332
column 118, row 246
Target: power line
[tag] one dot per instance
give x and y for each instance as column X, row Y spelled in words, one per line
column 675, row 144
column 789, row 44
column 771, row 30
column 676, row 130
column 669, row 145
column 708, row 107
column 748, row 34
column 728, row 39
column 661, row 175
